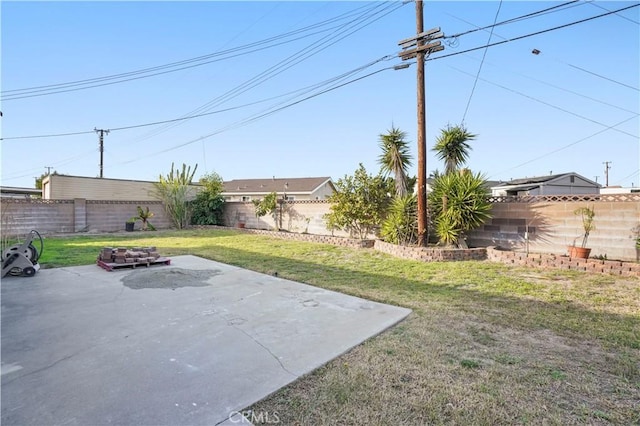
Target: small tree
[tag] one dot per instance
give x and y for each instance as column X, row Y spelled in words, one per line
column 208, row 207
column 359, row 204
column 173, row 191
column 268, row 205
column 587, row 214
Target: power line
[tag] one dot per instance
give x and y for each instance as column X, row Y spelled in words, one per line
column 258, row 116
column 155, row 123
column 47, row 135
column 484, row 54
column 562, row 62
column 502, row 68
column 563, row 147
column 547, row 103
column 603, row 77
column 636, row 173
column 509, row 21
column 288, row 62
column 621, row 16
column 157, row 70
column 532, row 34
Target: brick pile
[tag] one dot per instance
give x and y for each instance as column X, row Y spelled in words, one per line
column 123, row 255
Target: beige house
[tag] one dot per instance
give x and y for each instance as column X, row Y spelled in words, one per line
column 63, row 187
column 292, row 189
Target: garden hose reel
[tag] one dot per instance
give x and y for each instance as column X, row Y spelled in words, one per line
column 21, row 260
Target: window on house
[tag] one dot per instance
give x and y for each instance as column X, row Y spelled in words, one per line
column 246, row 198
column 290, row 198
column 572, row 179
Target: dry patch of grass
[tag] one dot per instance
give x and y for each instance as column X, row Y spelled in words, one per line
column 448, row 367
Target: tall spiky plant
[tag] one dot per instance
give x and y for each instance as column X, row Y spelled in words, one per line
column 173, row 191
column 459, row 202
column 395, row 158
column 452, row 147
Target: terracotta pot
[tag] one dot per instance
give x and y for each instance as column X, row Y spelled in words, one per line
column 579, row 252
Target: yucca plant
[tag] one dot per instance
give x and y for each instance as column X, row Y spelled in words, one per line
column 144, row 215
column 459, row 203
column 401, row 224
column 173, row 191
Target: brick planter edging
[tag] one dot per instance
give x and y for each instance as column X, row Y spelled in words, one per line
column 542, row 260
column 492, row 253
column 427, row 254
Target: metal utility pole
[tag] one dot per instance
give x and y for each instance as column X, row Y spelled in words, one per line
column 48, row 170
column 418, row 47
column 101, row 132
column 606, row 172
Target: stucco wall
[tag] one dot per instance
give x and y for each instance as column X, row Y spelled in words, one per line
column 297, row 216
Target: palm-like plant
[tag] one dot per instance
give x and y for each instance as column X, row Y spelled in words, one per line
column 144, row 215
column 459, row 203
column 395, row 158
column 452, row 147
column 401, row 224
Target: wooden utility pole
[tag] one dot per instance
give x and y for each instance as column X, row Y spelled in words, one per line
column 606, row 172
column 101, row 132
column 418, row 47
column 422, row 133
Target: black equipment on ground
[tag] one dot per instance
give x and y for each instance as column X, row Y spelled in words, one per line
column 22, row 259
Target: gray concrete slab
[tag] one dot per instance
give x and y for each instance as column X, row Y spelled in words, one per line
column 191, row 343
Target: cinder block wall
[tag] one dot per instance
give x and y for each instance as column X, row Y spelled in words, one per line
column 19, row 216
column 112, row 215
column 552, row 226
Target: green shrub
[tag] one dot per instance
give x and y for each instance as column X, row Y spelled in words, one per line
column 401, row 224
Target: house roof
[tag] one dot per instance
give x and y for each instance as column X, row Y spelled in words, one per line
column 19, row 190
column 290, row 185
column 534, row 182
column 536, row 179
column 527, row 184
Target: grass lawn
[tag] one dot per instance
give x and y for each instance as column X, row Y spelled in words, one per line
column 485, row 344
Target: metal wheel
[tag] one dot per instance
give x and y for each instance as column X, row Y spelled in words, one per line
column 30, row 252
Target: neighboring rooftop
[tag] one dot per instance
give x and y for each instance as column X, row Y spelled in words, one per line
column 290, row 185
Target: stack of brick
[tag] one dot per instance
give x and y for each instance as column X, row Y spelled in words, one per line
column 134, row 255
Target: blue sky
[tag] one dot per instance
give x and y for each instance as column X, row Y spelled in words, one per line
column 570, row 108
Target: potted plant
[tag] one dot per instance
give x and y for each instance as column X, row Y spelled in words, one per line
column 129, row 224
column 587, row 214
column 143, row 215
